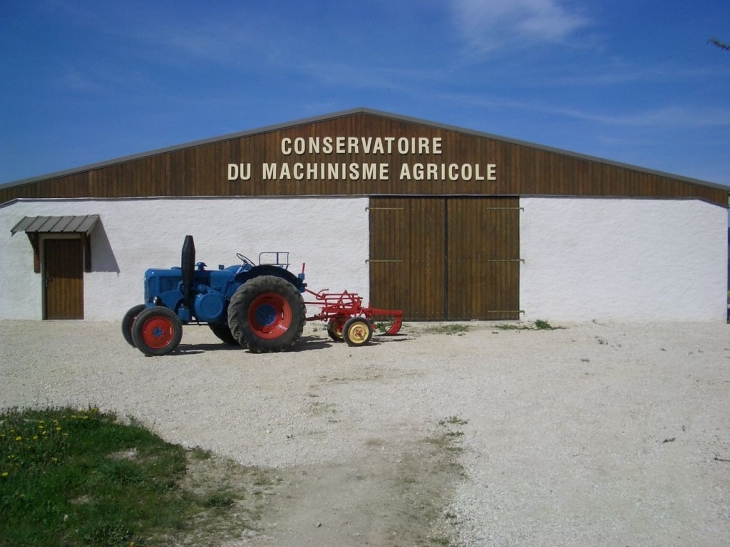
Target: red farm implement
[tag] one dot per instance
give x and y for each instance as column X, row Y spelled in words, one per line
column 347, row 319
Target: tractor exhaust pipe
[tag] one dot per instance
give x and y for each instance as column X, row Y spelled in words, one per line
column 187, row 265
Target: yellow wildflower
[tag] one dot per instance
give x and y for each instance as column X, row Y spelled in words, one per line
column 5, row 474
column 18, row 438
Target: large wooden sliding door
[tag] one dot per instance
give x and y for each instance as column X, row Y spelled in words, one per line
column 445, row 258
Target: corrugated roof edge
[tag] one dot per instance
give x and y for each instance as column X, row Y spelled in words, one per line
column 63, row 224
column 350, row 112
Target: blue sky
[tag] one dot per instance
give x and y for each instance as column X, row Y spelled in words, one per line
column 634, row 82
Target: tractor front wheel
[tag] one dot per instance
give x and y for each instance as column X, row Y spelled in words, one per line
column 267, row 314
column 358, row 331
column 157, row 331
column 128, row 321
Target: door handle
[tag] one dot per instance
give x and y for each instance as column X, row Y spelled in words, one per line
column 48, row 280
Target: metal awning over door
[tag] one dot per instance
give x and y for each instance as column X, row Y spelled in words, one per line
column 70, row 224
column 81, row 224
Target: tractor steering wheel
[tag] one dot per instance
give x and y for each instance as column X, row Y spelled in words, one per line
column 244, row 259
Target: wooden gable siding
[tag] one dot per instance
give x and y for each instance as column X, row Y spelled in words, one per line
column 522, row 169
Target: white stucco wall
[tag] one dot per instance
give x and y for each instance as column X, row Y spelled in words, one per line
column 623, row 259
column 330, row 235
column 585, row 259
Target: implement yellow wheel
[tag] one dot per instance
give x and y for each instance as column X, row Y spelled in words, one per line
column 357, row 331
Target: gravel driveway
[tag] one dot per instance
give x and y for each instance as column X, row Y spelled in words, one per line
column 594, row 434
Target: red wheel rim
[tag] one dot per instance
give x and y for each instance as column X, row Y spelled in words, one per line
column 338, row 324
column 158, row 332
column 269, row 316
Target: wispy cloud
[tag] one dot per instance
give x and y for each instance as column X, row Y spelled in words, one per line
column 632, row 75
column 670, row 116
column 490, row 24
column 222, row 35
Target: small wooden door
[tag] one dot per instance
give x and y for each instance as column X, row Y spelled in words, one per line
column 63, row 279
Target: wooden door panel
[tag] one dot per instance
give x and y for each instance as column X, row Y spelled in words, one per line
column 427, row 258
column 407, row 256
column 483, row 258
column 63, row 279
column 388, row 266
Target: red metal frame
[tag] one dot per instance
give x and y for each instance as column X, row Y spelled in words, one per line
column 344, row 305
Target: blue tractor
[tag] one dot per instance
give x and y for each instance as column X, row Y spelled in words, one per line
column 259, row 307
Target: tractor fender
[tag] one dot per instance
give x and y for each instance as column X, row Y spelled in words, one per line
column 258, row 271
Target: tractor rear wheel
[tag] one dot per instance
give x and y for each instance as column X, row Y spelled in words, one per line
column 358, row 331
column 157, row 331
column 128, row 321
column 223, row 332
column 267, row 314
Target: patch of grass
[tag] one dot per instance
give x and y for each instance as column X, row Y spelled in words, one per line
column 449, row 329
column 448, row 437
column 453, row 420
column 539, row 324
column 317, row 409
column 218, row 499
column 201, row 454
column 70, row 477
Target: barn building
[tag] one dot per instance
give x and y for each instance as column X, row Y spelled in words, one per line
column 443, row 222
